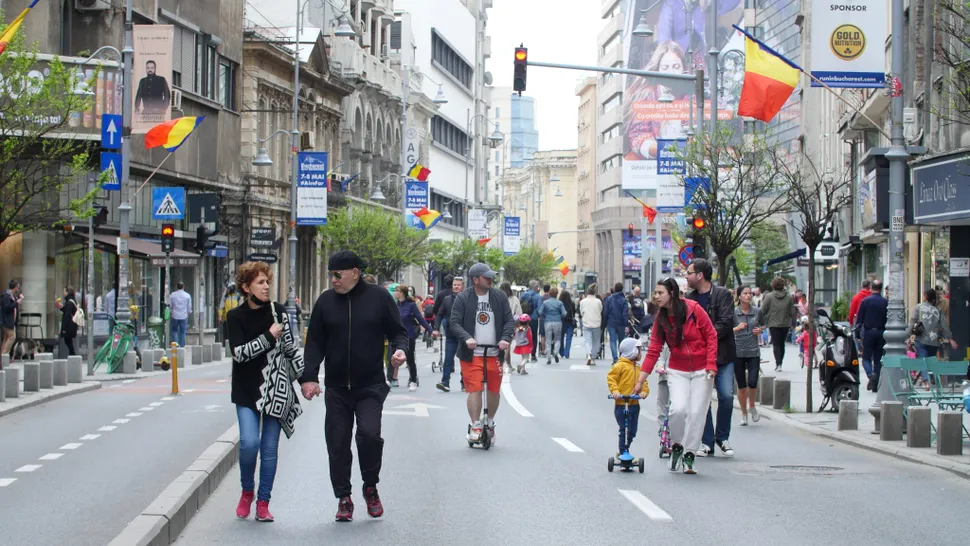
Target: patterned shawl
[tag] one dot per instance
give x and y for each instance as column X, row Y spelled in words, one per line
column 277, row 393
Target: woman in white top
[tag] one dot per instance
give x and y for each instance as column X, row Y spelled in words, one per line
column 516, row 307
column 591, row 309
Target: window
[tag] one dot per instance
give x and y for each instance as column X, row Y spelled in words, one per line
column 448, row 60
column 498, row 112
column 448, row 135
column 612, row 103
column 211, row 67
column 183, row 59
column 610, row 163
column 227, row 84
column 612, row 41
column 610, row 133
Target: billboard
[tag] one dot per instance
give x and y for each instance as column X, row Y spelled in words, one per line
column 848, row 43
column 656, row 109
column 311, row 189
column 416, row 195
column 478, row 224
column 512, row 235
column 152, row 70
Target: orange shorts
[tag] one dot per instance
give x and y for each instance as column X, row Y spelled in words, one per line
column 471, row 373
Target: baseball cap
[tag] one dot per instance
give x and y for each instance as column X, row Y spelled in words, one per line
column 481, row 270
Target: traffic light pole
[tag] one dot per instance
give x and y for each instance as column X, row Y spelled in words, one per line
column 89, row 292
column 166, row 323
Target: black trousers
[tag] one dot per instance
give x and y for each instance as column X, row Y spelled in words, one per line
column 365, row 405
column 779, row 336
column 69, row 343
column 412, row 362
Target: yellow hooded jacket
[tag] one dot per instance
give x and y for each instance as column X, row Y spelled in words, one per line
column 623, row 377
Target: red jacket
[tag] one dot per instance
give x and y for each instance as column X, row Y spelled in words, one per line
column 697, row 350
column 856, row 302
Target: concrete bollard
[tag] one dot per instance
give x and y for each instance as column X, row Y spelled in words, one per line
column 849, row 415
column 3, row 386
column 918, row 430
column 949, row 433
column 39, row 357
column 217, row 352
column 130, row 363
column 4, row 361
column 767, row 390
column 207, row 353
column 31, row 376
column 782, row 394
column 12, row 388
column 148, row 359
column 891, row 421
column 75, row 369
column 196, row 354
column 181, row 354
column 46, row 374
column 60, row 373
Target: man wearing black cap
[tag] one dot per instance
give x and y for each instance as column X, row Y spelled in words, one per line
column 347, row 329
column 481, row 316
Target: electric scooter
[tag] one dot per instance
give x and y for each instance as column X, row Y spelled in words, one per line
column 626, row 461
column 485, row 438
column 838, row 363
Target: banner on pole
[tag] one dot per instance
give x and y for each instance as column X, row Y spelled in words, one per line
column 848, row 43
column 478, row 224
column 311, row 189
column 152, row 69
column 416, row 195
column 513, row 232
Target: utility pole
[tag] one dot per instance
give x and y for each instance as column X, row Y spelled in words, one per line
column 406, row 88
column 294, row 170
column 714, row 53
column 123, row 314
column 89, row 290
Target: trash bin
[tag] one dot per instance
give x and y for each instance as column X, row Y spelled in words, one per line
column 156, row 332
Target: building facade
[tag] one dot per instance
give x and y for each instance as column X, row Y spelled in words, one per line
column 586, row 178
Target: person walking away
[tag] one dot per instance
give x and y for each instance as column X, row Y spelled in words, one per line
column 928, row 328
column 265, row 362
column 552, row 312
column 638, row 309
column 616, row 313
column 591, row 311
column 230, row 300
column 69, row 328
column 779, row 314
column 9, row 306
column 411, row 318
column 684, row 326
column 427, row 307
column 443, row 314
column 621, row 380
column 747, row 331
column 719, row 304
column 543, row 342
column 481, row 316
column 568, row 323
column 348, row 326
column 523, row 341
column 530, row 302
column 871, row 321
column 181, row 303
column 516, row 307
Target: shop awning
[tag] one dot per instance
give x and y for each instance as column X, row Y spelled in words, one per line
column 147, row 249
column 785, row 258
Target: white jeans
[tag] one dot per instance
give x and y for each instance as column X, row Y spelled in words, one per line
column 591, row 336
column 690, row 397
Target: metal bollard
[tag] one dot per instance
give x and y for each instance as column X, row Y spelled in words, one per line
column 175, row 368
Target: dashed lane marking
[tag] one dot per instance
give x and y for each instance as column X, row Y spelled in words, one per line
column 222, row 381
column 646, row 506
column 74, row 445
column 4, row 482
column 133, row 414
column 87, row 437
column 120, row 421
column 155, row 404
column 28, row 468
column 146, row 408
column 107, row 428
column 568, row 446
column 511, row 399
column 51, row 457
column 168, row 398
column 128, row 381
column 188, row 390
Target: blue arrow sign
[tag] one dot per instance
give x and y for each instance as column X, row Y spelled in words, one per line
column 111, row 164
column 168, row 203
column 111, row 131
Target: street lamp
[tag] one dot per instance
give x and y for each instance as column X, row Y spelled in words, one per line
column 262, row 158
column 643, row 30
column 406, row 75
column 494, row 140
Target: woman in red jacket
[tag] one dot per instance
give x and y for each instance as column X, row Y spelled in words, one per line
column 687, row 330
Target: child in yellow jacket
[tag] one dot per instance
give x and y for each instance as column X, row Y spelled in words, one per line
column 621, row 381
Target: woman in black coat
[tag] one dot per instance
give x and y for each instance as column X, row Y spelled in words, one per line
column 68, row 327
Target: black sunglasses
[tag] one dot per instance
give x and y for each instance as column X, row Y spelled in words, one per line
column 336, row 274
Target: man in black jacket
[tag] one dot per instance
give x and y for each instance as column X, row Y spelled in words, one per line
column 347, row 329
column 481, row 316
column 719, row 304
column 442, row 311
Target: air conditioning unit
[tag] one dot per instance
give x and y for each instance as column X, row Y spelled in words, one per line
column 308, row 141
column 176, row 99
column 92, row 5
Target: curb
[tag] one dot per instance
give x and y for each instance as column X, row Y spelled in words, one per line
column 91, row 386
column 161, row 523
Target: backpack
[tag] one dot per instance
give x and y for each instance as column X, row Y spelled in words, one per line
column 526, row 301
column 78, row 317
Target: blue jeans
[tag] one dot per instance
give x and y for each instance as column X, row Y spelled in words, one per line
column 178, row 331
column 616, row 335
column 924, row 351
column 724, row 385
column 566, row 339
column 448, row 366
column 872, row 347
column 625, row 443
column 251, row 443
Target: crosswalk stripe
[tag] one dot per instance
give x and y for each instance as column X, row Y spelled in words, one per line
column 87, row 437
column 4, row 482
column 646, row 506
column 51, row 457
column 28, row 468
column 71, row 446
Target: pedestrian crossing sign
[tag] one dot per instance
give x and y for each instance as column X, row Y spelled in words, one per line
column 168, row 203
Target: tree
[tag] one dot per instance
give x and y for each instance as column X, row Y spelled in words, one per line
column 951, row 21
column 769, row 242
column 816, row 198
column 378, row 236
column 531, row 262
column 745, row 189
column 39, row 156
column 458, row 255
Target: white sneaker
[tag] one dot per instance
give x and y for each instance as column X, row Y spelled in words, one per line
column 704, row 451
column 475, row 432
column 412, row 387
column 755, row 416
column 744, row 420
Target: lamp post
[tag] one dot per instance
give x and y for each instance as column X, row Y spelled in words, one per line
column 494, row 140
column 123, row 315
column 406, row 74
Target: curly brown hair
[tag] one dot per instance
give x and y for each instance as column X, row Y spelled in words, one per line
column 249, row 271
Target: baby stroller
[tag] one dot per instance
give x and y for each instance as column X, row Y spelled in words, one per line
column 438, row 364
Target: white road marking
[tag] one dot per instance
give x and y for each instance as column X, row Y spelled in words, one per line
column 71, row 446
column 222, row 381
column 128, row 381
column 107, row 428
column 28, row 468
column 155, row 404
column 114, row 386
column 51, row 457
column 87, row 437
column 188, row 390
column 4, row 482
column 646, row 506
column 418, row 409
column 580, row 368
column 168, row 398
column 146, row 408
column 120, row 421
column 511, row 399
column 569, row 446
column 133, row 414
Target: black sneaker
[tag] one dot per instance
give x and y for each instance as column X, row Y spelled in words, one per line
column 443, row 387
column 557, row 359
column 689, row 463
column 534, row 359
column 725, row 448
column 675, row 454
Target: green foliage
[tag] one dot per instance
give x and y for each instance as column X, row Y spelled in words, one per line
column 460, row 254
column 378, row 236
column 744, row 260
column 40, row 156
column 840, row 309
column 531, row 263
column 769, row 242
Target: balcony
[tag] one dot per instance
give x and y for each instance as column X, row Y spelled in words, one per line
column 351, row 62
column 381, row 5
column 487, row 47
column 611, row 27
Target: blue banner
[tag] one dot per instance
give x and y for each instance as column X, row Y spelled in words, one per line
column 512, row 235
column 670, row 156
column 416, row 196
column 311, row 189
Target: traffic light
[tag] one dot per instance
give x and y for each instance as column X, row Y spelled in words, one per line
column 629, row 230
column 168, row 238
column 698, row 225
column 101, row 217
column 521, row 62
column 202, row 242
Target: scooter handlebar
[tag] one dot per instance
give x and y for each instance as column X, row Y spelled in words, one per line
column 624, row 397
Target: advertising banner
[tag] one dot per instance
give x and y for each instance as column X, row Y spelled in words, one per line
column 513, row 239
column 311, row 189
column 632, row 251
column 670, row 156
column 478, row 224
column 848, row 43
column 417, row 195
column 152, row 70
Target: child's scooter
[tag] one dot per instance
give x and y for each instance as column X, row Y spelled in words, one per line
column 485, row 439
column 626, row 461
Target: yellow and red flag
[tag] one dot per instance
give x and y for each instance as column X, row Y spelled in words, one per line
column 171, row 134
column 769, row 79
column 563, row 267
column 12, row 28
column 428, row 217
column 419, row 172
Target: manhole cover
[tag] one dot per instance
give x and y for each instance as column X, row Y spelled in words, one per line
column 806, row 469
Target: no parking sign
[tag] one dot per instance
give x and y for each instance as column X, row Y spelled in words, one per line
column 686, row 255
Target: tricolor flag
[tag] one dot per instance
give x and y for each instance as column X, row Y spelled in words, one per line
column 428, row 217
column 560, row 259
column 563, row 266
column 649, row 213
column 769, row 79
column 484, row 241
column 171, row 134
column 419, row 172
column 12, row 28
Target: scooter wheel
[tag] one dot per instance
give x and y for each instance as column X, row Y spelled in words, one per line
column 844, row 391
column 610, row 464
column 640, row 465
column 486, row 440
column 471, row 443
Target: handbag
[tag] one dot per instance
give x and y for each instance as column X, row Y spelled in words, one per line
column 78, row 316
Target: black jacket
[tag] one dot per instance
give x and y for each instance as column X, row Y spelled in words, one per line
column 461, row 323
column 443, row 310
column 68, row 326
column 347, row 332
column 721, row 311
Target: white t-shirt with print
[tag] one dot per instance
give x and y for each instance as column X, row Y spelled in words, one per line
column 485, row 326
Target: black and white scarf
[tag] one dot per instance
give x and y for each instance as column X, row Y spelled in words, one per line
column 285, row 365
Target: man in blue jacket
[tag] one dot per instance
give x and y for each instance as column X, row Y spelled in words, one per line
column 871, row 320
column 616, row 313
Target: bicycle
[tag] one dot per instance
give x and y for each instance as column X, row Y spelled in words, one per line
column 114, row 350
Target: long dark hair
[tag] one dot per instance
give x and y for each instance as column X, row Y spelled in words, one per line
column 680, row 314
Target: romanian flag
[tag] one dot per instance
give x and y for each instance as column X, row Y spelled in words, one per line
column 171, row 134
column 649, row 213
column 12, row 28
column 428, row 217
column 419, row 172
column 769, row 80
column 563, row 266
column 483, row 242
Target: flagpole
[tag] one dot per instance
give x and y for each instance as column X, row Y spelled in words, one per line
column 150, row 176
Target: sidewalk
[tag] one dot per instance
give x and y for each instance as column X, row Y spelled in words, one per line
column 826, row 424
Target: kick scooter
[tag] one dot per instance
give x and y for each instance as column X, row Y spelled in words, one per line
column 485, row 439
column 626, row 461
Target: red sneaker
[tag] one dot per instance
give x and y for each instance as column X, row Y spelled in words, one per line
column 374, row 507
column 262, row 512
column 245, row 503
column 345, row 509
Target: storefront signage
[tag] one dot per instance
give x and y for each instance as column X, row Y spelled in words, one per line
column 941, row 192
column 262, row 237
column 175, row 261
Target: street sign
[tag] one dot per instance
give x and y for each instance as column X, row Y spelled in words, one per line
column 311, row 189
column 263, row 257
column 111, row 131
column 168, row 203
column 563, row 285
column 262, row 237
column 686, row 255
column 513, row 241
column 203, row 205
column 690, row 187
column 219, row 251
column 111, row 164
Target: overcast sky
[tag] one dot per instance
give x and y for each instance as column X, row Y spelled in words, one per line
column 558, row 31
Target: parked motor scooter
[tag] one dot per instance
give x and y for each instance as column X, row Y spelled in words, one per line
column 838, row 363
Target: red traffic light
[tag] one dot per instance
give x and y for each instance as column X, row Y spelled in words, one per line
column 521, row 54
column 699, row 223
column 630, row 227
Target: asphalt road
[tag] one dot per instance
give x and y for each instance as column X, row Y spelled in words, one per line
column 77, row 470
column 546, row 480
